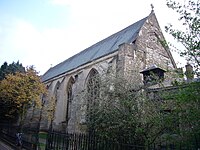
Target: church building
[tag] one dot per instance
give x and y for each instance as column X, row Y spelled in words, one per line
column 133, row 52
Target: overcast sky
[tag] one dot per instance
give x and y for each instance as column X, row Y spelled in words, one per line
column 44, row 33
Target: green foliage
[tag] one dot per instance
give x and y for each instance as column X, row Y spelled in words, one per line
column 123, row 113
column 10, row 69
column 189, row 35
column 185, row 110
column 113, row 115
column 127, row 112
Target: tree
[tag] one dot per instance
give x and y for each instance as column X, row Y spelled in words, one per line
column 189, row 36
column 122, row 111
column 184, row 112
column 127, row 112
column 185, row 97
column 19, row 91
column 10, row 69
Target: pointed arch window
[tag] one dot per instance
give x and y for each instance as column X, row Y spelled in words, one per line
column 93, row 86
column 69, row 98
column 54, row 99
column 93, row 93
column 56, row 92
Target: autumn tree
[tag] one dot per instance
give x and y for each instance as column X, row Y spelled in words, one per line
column 19, row 91
column 189, row 33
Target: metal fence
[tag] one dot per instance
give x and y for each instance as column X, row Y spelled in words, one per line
column 64, row 141
column 78, row 141
column 61, row 141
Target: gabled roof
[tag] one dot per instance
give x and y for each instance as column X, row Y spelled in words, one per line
column 100, row 49
column 151, row 68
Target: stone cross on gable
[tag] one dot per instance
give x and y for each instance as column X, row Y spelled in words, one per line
column 152, row 7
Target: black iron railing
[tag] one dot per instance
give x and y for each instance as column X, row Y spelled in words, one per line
column 77, row 141
column 66, row 141
column 61, row 141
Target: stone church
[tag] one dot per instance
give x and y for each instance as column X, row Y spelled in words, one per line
column 138, row 48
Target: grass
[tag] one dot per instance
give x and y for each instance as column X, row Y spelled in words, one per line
column 43, row 135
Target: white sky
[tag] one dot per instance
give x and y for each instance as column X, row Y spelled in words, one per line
column 46, row 32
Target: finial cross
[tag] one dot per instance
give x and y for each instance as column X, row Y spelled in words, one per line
column 152, row 7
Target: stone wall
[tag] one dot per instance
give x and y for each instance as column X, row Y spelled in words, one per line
column 77, row 113
column 151, row 43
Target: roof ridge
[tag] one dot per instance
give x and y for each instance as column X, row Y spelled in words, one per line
column 98, row 52
column 101, row 41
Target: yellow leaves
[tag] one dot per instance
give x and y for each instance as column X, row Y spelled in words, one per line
column 22, row 89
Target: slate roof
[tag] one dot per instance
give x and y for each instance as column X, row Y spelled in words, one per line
column 100, row 49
